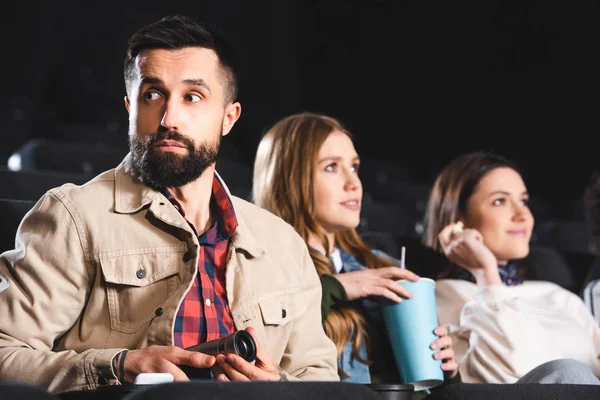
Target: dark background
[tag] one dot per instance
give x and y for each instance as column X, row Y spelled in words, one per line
column 418, row 82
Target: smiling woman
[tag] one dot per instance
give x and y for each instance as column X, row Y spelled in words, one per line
column 503, row 326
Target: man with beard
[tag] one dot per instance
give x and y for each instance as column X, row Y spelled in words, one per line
column 119, row 276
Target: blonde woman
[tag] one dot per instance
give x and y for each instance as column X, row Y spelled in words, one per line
column 306, row 171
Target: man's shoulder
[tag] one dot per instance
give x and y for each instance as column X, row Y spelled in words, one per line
column 259, row 219
column 97, row 189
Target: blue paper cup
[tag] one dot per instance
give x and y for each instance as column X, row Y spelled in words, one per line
column 410, row 326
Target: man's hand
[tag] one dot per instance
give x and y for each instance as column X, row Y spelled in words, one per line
column 231, row 367
column 162, row 359
column 376, row 282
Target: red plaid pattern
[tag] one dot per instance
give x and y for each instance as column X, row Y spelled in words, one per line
column 204, row 314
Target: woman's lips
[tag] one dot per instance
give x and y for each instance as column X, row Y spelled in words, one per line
column 517, row 232
column 353, row 205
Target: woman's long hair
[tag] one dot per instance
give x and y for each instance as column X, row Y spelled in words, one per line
column 448, row 200
column 284, row 173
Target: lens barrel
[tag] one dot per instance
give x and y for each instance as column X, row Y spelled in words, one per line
column 239, row 342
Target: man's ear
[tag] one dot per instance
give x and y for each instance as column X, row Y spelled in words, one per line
column 232, row 113
column 126, row 99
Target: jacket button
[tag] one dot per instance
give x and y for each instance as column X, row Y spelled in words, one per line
column 140, row 273
column 283, row 313
column 187, row 256
column 159, row 311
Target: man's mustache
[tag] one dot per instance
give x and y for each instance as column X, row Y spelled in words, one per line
column 170, row 135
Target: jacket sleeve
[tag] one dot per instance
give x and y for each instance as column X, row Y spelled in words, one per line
column 333, row 293
column 310, row 354
column 48, row 284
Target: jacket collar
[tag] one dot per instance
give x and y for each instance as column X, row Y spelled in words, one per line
column 131, row 195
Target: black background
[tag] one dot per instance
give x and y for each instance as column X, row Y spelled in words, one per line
column 418, row 82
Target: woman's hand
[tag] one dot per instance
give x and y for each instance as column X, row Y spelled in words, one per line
column 376, row 282
column 466, row 248
column 446, row 353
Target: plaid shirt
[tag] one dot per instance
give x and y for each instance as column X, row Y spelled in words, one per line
column 204, row 314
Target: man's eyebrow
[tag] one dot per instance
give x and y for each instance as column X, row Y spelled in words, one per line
column 196, row 82
column 151, row 80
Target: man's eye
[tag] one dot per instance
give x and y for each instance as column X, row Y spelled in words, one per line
column 151, row 96
column 193, row 98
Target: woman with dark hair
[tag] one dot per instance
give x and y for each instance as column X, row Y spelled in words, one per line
column 503, row 326
column 306, row 171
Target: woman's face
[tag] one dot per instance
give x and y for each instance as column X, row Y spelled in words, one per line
column 338, row 190
column 498, row 209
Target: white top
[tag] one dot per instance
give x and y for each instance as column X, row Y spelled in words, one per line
column 501, row 332
column 336, row 259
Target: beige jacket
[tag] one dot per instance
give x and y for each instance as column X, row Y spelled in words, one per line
column 76, row 295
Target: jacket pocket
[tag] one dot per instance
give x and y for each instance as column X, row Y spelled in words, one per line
column 137, row 285
column 281, row 309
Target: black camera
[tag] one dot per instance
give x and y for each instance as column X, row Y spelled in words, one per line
column 239, row 342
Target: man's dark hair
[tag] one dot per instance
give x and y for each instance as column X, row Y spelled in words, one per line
column 177, row 32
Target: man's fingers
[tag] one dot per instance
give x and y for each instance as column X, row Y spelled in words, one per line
column 262, row 358
column 236, row 368
column 217, row 371
column 178, row 374
column 259, row 348
column 194, row 359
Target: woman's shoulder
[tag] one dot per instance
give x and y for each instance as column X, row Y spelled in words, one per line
column 550, row 292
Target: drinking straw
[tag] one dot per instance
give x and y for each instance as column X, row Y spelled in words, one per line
column 402, row 256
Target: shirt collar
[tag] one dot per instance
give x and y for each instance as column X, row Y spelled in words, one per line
column 226, row 220
column 131, row 195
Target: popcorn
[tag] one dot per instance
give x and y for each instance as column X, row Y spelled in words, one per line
column 457, row 230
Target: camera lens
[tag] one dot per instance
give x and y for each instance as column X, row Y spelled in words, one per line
column 242, row 349
column 245, row 346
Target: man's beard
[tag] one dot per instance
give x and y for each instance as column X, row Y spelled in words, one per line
column 159, row 169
